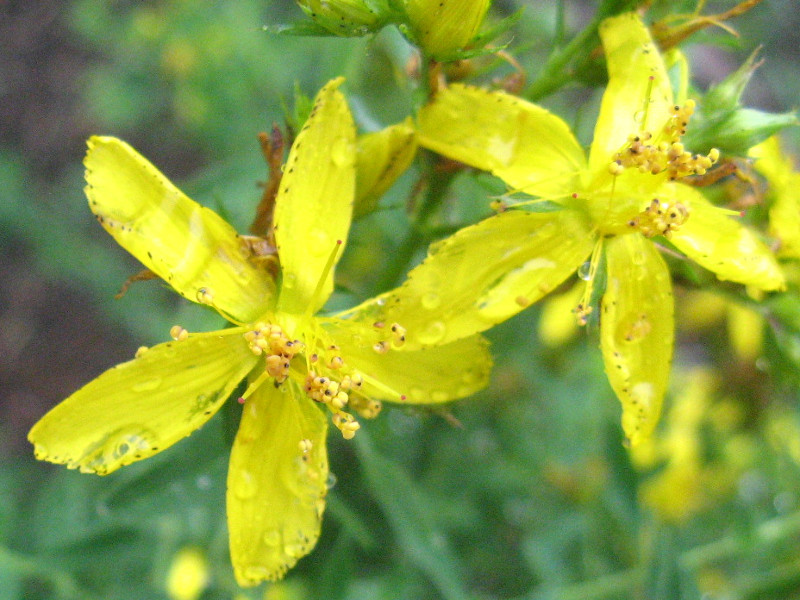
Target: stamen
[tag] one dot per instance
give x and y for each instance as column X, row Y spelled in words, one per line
column 323, row 278
column 140, row 350
column 584, row 307
column 178, row 333
column 668, row 154
column 660, row 218
column 253, row 387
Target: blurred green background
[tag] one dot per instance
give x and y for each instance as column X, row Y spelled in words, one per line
column 522, row 492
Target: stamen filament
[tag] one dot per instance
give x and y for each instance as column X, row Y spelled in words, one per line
column 322, row 279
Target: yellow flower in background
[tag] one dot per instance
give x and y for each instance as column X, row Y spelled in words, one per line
column 605, row 209
column 291, row 357
column 784, row 192
column 188, row 575
column 684, row 478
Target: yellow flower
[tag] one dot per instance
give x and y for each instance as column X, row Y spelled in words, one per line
column 291, row 358
column 784, row 191
column 188, row 575
column 604, row 209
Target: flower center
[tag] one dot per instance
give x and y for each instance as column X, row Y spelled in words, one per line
column 664, row 153
column 660, row 218
column 324, row 375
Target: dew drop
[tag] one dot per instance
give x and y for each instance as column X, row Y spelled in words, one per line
column 256, row 573
column 433, row 333
column 271, row 537
column 147, row 385
column 320, row 242
column 431, row 301
column 440, row 396
column 469, row 377
column 342, row 153
column 289, row 280
column 330, row 482
column 294, row 550
column 584, row 271
column 417, row 394
column 244, row 486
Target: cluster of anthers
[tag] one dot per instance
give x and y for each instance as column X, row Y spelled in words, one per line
column 660, row 218
column 666, row 153
column 328, row 379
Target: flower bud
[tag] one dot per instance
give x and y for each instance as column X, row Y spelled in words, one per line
column 443, row 27
column 347, row 17
column 382, row 157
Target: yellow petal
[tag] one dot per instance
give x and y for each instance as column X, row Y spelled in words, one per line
column 484, row 274
column 315, row 201
column 557, row 323
column 529, row 148
column 784, row 191
column 721, row 244
column 382, row 157
column 189, row 246
column 143, row 406
column 424, row 376
column 277, row 481
column 638, row 97
column 746, row 331
column 442, row 27
column 637, row 331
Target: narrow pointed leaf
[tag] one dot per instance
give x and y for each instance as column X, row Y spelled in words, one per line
column 315, row 202
column 526, row 146
column 143, row 406
column 637, row 331
column 277, row 481
column 189, row 246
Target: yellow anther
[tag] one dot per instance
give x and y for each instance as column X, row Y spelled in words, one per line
column 178, row 333
column 366, row 407
column 346, row 424
column 204, row 296
column 660, row 218
column 381, row 347
column 335, row 363
column 140, row 350
column 582, row 312
column 398, row 334
column 305, row 446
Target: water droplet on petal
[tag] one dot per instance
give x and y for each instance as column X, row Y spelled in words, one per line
column 294, row 550
column 433, row 333
column 244, row 486
column 147, row 385
column 320, row 242
column 431, row 301
column 417, row 394
column 440, row 396
column 330, row 482
column 271, row 537
column 584, row 271
column 342, row 153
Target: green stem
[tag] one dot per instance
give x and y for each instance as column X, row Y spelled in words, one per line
column 555, row 74
column 418, row 233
